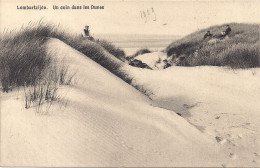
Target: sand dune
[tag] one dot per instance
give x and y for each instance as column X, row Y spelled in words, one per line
column 102, row 121
column 222, row 103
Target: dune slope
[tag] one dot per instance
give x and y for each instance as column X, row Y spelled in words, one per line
column 222, row 103
column 99, row 121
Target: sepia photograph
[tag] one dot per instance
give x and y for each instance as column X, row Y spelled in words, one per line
column 127, row 83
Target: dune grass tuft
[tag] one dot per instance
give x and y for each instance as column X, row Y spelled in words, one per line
column 112, row 49
column 23, row 60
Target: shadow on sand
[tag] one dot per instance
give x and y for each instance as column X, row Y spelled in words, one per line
column 180, row 105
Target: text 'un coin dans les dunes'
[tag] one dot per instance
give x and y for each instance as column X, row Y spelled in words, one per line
column 79, row 7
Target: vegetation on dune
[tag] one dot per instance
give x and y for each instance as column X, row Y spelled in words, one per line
column 44, row 91
column 137, row 63
column 112, row 49
column 239, row 50
column 141, row 52
column 24, row 61
column 23, row 57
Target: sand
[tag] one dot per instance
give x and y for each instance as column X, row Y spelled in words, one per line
column 102, row 121
column 222, row 103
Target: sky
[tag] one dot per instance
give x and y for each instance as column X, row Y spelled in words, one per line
column 132, row 17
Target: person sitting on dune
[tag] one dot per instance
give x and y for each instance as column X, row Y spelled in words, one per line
column 87, row 35
column 228, row 30
column 207, row 35
column 85, row 32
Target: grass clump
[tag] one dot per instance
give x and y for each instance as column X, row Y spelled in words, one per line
column 141, row 52
column 45, row 89
column 239, row 50
column 112, row 49
column 23, row 60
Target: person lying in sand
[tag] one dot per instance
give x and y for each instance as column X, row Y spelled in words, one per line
column 207, row 35
column 225, row 33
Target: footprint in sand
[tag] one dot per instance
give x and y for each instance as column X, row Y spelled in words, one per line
column 232, row 156
column 220, row 140
column 223, row 165
column 240, row 136
column 231, row 143
column 123, row 144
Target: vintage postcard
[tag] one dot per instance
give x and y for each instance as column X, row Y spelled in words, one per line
column 129, row 83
